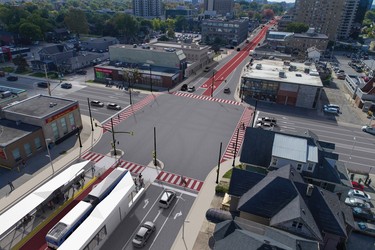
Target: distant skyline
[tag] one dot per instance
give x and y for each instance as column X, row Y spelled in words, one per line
column 279, row 1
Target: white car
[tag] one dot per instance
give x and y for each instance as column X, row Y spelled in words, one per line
column 113, row 106
column 191, row 88
column 368, row 129
column 331, row 110
column 354, row 202
column 167, row 198
column 353, row 193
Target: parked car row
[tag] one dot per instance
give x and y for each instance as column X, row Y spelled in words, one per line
column 267, row 123
column 96, row 103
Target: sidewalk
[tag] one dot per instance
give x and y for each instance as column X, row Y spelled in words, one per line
column 32, row 176
column 194, row 220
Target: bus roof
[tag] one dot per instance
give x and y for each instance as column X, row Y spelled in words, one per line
column 103, row 186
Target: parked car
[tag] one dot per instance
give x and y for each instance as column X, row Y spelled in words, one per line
column 227, row 90
column 143, row 234
column 43, row 84
column 12, row 78
column 331, row 110
column 66, row 85
column 357, row 186
column 368, row 129
column 167, row 198
column 341, row 76
column 268, row 119
column 335, row 106
column 191, row 89
column 81, row 72
column 365, row 228
column 359, row 194
column 363, row 214
column 184, row 87
column 96, row 103
column 113, row 106
column 354, row 202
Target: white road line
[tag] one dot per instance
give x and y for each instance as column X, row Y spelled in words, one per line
column 156, row 217
column 144, row 217
column 175, row 189
column 159, row 231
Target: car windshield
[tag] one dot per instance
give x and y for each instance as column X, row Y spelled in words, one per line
column 138, row 237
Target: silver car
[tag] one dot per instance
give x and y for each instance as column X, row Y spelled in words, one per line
column 368, row 129
column 113, row 106
column 167, row 198
column 353, row 193
column 143, row 234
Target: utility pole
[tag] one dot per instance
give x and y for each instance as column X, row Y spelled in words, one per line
column 155, row 162
column 218, row 164
column 88, row 103
column 48, row 84
column 235, row 148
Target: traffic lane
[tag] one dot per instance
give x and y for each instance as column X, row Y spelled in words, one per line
column 185, row 128
column 124, row 233
column 166, row 235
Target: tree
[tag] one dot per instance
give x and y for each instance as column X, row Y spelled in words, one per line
column 170, row 33
column 268, row 13
column 30, row 32
column 21, row 63
column 127, row 26
column 297, row 27
column 181, row 23
column 76, row 21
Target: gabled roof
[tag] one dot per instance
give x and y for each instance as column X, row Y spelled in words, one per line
column 289, row 147
column 281, row 199
column 53, row 49
column 242, row 181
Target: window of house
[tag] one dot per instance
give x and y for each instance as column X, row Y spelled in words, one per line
column 27, row 149
column 274, row 161
column 294, row 224
column 299, row 166
column 55, row 130
column 63, row 125
column 299, row 225
column 16, row 154
column 37, row 143
column 310, row 166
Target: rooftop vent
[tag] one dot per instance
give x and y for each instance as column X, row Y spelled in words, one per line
column 52, row 104
column 309, row 190
column 298, row 75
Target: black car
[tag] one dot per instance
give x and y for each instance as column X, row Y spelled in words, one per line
column 81, row 72
column 12, row 78
column 184, row 87
column 227, row 90
column 43, row 84
column 363, row 214
column 66, row 85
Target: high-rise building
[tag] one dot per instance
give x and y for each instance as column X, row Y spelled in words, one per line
column 222, row 7
column 335, row 18
column 147, row 8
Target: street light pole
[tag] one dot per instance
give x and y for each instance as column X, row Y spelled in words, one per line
column 88, row 103
column 49, row 155
column 235, row 148
column 218, row 164
column 155, row 163
column 79, row 138
column 113, row 139
column 150, row 79
column 255, row 111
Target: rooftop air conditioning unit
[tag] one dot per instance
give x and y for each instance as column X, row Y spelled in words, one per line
column 282, row 74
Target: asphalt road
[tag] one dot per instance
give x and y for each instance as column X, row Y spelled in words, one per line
column 167, row 221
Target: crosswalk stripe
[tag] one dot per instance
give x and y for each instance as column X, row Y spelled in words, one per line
column 173, row 179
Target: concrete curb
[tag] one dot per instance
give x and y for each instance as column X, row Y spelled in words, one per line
column 196, row 216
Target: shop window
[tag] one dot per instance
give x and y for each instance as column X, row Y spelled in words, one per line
column 37, row 143
column 27, row 149
column 55, row 130
column 63, row 125
column 71, row 120
column 16, row 154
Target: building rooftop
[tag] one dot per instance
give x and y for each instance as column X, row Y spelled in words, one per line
column 271, row 69
column 182, row 46
column 39, row 106
column 11, row 131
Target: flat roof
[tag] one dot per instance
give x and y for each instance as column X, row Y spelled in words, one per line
column 155, row 70
column 271, row 68
column 192, row 46
column 39, row 106
column 11, row 131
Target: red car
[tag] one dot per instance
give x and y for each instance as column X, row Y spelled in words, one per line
column 357, row 186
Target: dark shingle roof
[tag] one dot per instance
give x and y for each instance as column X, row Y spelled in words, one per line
column 257, row 147
column 241, row 181
column 53, row 49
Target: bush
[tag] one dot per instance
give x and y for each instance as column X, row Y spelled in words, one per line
column 221, row 189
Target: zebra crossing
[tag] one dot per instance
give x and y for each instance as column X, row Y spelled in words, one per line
column 132, row 167
column 207, row 98
column 235, row 144
column 179, row 180
column 128, row 112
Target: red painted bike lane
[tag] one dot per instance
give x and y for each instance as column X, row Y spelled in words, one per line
column 214, row 81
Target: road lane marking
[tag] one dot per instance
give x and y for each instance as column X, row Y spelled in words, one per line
column 175, row 189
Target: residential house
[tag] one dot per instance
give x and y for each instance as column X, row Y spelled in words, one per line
column 283, row 200
column 239, row 234
column 313, row 54
column 312, row 158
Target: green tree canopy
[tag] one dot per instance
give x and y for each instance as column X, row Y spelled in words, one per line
column 76, row 21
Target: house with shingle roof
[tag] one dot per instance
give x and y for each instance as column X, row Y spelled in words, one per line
column 283, row 200
column 312, row 158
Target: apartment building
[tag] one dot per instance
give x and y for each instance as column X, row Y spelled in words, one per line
column 232, row 32
column 222, row 7
column 335, row 18
column 147, row 8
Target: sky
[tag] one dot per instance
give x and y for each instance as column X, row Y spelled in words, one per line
column 279, row 1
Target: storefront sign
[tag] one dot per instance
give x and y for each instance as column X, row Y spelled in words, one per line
column 2, row 154
column 108, row 71
column 61, row 114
